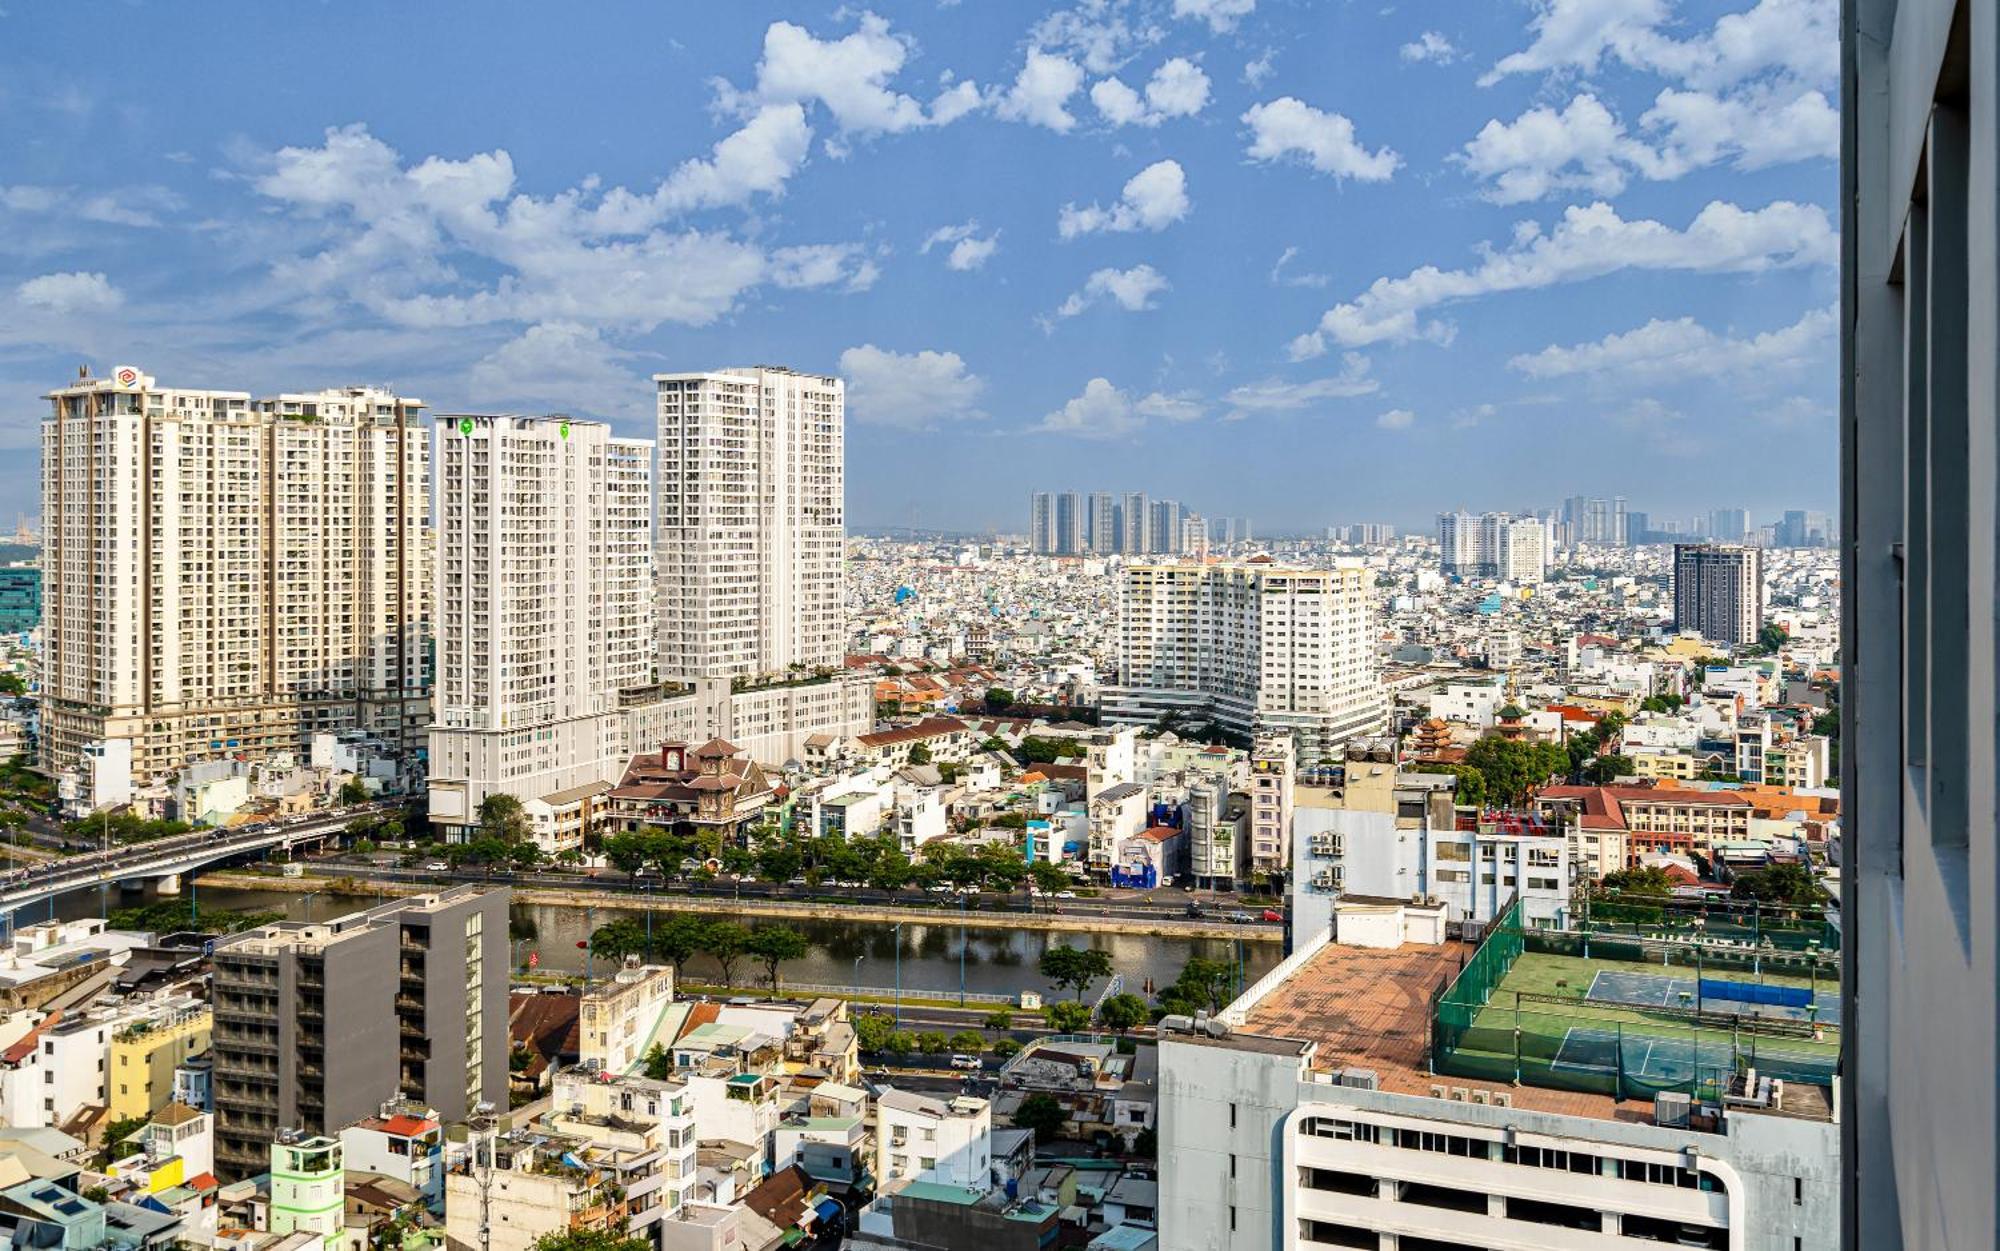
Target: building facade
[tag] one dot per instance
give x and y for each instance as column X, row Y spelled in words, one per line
column 751, row 522
column 1719, row 591
column 1255, row 647
column 316, row 1025
column 544, row 609
column 226, row 576
column 1920, row 347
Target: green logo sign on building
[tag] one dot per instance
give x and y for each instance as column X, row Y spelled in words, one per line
column 465, row 425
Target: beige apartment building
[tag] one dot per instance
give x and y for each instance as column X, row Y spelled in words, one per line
column 225, row 575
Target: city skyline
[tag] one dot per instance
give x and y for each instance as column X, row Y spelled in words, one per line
column 1654, row 294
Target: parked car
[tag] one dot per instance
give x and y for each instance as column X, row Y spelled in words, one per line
column 437, row 866
column 1065, row 894
column 963, row 1061
column 1241, row 918
column 1272, row 914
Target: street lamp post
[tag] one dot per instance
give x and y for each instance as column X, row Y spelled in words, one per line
column 899, row 975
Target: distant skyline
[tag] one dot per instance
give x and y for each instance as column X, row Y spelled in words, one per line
column 1307, row 262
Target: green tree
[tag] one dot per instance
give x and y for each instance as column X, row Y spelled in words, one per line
column 1075, row 968
column 773, row 945
column 872, row 1030
column 1000, row 1020
column 1006, row 1047
column 999, row 698
column 1067, row 1016
column 1042, row 1114
column 502, row 818
column 901, row 1043
column 353, row 791
column 970, row 1041
column 1049, row 878
column 589, row 1240
column 1645, row 879
column 1122, row 1012
column 1146, row 1143
column 614, row 940
column 12, row 684
column 1772, row 639
column 932, row 1043
column 1778, row 883
column 659, row 1065
column 112, row 1144
column 779, row 861
column 1204, row 985
column 1607, row 769
column 628, row 853
column 1471, row 788
column 726, row 942
column 677, row 938
column 919, row 754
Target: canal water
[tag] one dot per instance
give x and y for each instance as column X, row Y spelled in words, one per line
column 844, row 953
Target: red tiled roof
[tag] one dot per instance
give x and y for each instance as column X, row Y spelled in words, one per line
column 1603, row 807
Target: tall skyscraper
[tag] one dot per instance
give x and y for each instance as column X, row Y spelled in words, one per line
column 1595, row 520
column 751, row 522
column 1458, row 543
column 1072, row 525
column 544, row 607
column 1165, row 531
column 1728, row 525
column 316, row 1024
column 225, row 576
column 1103, row 521
column 1257, row 648
column 1719, row 591
column 1042, row 523
column 1135, row 535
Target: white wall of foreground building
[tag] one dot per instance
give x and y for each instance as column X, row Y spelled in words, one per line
column 1240, row 1126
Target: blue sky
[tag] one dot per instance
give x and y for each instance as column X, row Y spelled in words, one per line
column 1302, row 260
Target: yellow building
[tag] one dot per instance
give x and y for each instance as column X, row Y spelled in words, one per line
column 143, row 1057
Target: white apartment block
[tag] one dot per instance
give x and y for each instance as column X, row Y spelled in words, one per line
column 751, row 522
column 225, row 575
column 1257, row 647
column 1494, row 545
column 916, row 1136
column 544, row 608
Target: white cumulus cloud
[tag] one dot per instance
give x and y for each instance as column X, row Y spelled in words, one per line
column 1588, row 242
column 1041, row 92
column 1103, row 411
column 1684, row 348
column 1130, row 289
column 912, row 390
column 1177, row 88
column 967, row 248
column 1221, row 15
column 1289, row 128
column 1430, row 46
column 1280, row 395
column 74, row 292
column 850, row 77
column 1153, row 199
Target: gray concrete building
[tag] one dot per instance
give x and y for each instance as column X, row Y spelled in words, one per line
column 316, row 1024
column 1920, row 326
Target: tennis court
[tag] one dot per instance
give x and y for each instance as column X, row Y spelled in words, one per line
column 1653, row 990
column 1674, row 1061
